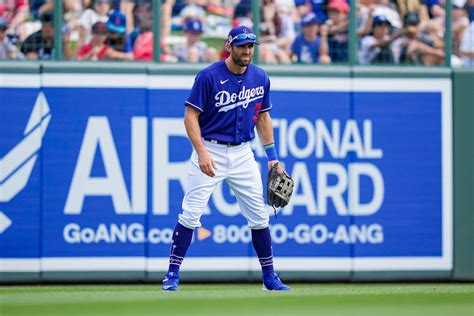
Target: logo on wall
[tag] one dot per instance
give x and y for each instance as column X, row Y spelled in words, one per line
column 16, row 166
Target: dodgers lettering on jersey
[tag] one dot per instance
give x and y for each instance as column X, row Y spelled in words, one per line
column 229, row 103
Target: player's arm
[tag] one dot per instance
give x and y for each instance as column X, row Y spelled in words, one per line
column 191, row 123
column 265, row 133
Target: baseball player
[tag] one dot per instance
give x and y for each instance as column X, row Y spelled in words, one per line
column 228, row 99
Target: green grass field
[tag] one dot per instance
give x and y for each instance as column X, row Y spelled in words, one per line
column 247, row 299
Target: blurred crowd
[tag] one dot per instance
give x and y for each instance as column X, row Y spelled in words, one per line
column 409, row 32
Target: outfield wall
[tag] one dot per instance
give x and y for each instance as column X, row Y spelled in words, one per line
column 94, row 164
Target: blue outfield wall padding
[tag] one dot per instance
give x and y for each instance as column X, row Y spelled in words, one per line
column 371, row 160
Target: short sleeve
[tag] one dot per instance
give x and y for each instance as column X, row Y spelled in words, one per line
column 199, row 92
column 266, row 103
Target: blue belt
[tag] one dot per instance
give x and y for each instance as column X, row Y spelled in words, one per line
column 229, row 144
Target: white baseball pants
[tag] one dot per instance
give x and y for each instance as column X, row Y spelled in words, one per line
column 238, row 167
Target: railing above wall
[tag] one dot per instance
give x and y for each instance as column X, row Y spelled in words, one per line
column 193, row 69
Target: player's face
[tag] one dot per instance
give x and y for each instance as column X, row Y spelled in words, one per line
column 242, row 55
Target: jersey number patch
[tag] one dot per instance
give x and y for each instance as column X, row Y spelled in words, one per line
column 257, row 108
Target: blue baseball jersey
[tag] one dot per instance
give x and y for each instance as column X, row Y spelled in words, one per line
column 229, row 103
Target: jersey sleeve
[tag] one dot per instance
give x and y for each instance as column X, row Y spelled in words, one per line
column 266, row 103
column 199, row 92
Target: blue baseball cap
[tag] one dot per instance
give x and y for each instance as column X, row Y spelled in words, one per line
column 309, row 19
column 381, row 19
column 117, row 22
column 241, row 35
column 193, row 25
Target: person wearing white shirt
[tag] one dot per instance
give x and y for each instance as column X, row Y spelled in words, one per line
column 375, row 48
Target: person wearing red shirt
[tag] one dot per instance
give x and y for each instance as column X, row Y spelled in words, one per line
column 96, row 49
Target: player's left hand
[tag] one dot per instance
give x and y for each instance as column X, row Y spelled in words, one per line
column 281, row 168
column 279, row 187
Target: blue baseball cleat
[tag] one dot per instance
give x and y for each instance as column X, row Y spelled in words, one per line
column 170, row 282
column 272, row 282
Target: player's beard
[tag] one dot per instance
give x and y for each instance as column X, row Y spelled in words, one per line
column 238, row 60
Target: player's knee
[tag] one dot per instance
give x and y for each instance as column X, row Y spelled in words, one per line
column 258, row 223
column 189, row 222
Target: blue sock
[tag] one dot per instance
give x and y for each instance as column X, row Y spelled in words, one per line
column 182, row 237
column 262, row 242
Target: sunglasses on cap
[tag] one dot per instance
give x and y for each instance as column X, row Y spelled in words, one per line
column 243, row 36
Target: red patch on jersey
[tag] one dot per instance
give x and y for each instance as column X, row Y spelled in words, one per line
column 257, row 108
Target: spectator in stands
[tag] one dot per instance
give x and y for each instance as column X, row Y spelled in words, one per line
column 14, row 12
column 435, row 10
column 466, row 49
column 127, row 7
column 6, row 48
column 389, row 10
column 193, row 11
column 143, row 48
column 288, row 8
column 194, row 50
column 364, row 17
column 117, row 37
column 274, row 42
column 40, row 45
column 286, row 31
column 137, row 11
column 408, row 48
column 337, row 22
column 98, row 12
column 318, row 7
column 470, row 10
column 303, row 7
column 96, row 49
column 38, row 7
column 218, row 7
column 142, row 15
column 243, row 9
column 460, row 22
column 375, row 48
column 420, row 8
column 308, row 47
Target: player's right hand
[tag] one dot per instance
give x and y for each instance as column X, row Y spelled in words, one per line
column 207, row 164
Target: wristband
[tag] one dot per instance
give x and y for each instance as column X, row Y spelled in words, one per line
column 270, row 151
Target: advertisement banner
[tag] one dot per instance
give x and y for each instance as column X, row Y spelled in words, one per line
column 371, row 161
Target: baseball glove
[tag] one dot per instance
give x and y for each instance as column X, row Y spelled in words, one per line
column 279, row 187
